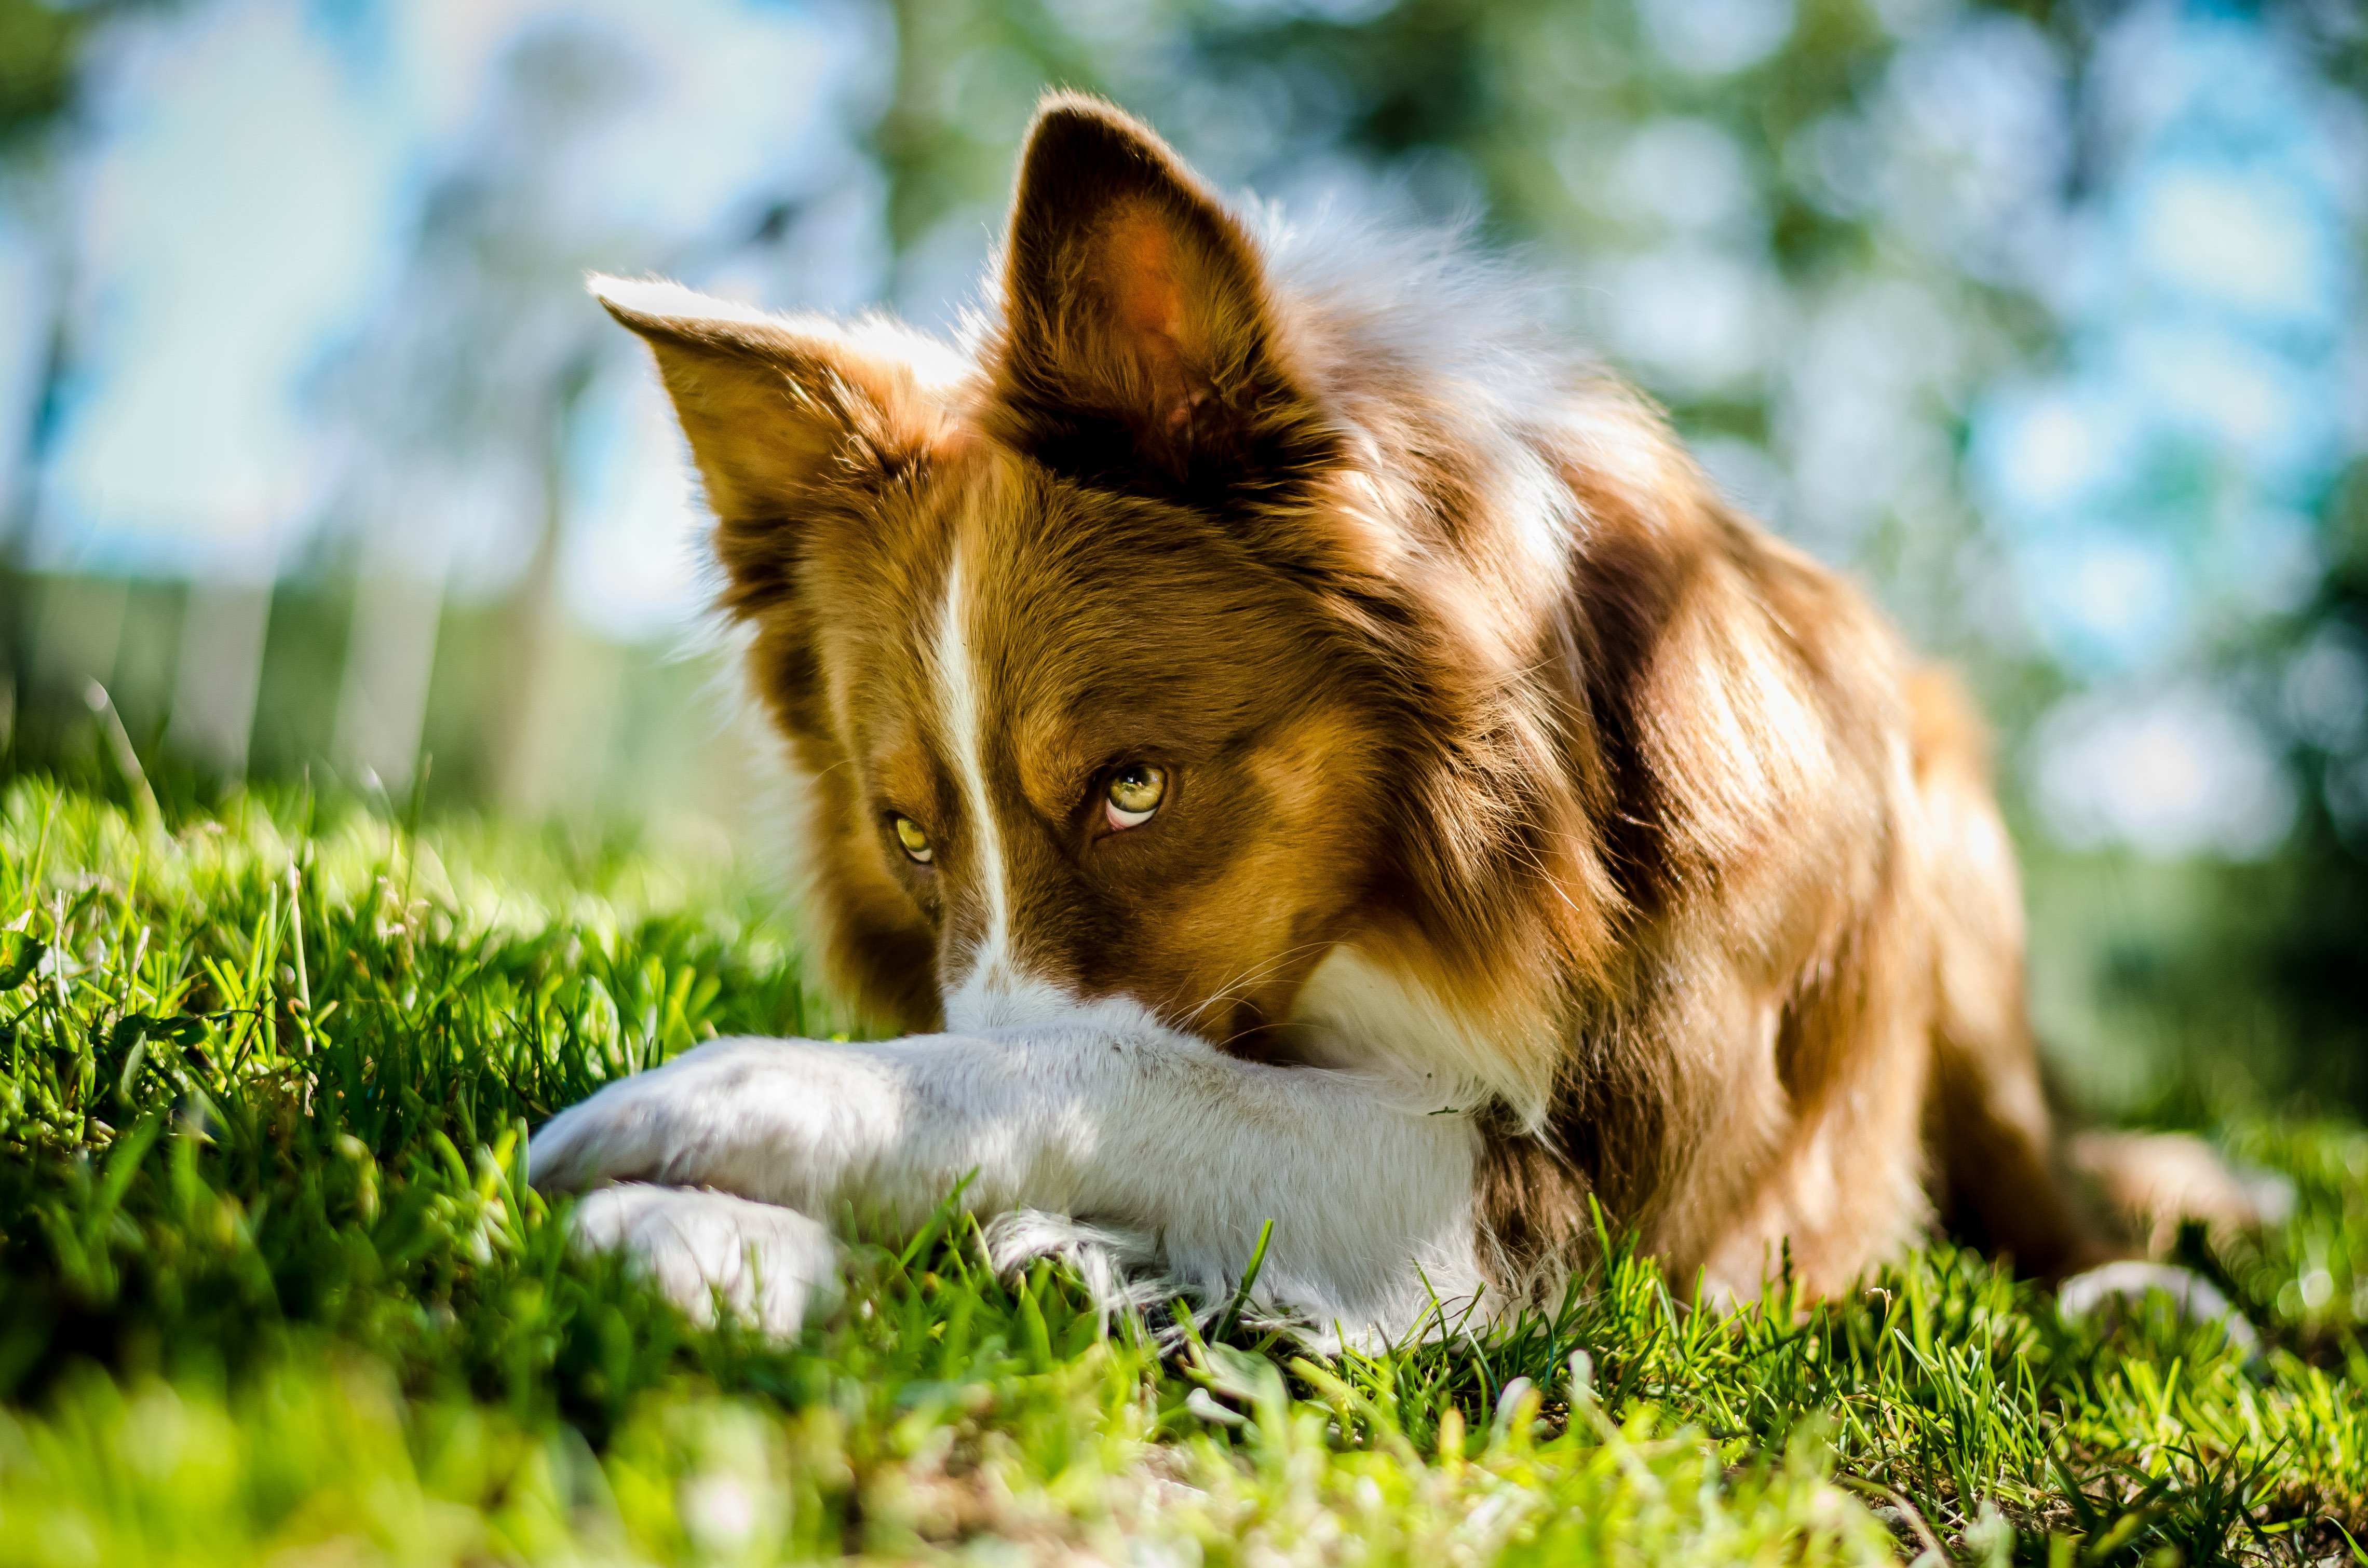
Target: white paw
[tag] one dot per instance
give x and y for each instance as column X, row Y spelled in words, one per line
column 770, row 1267
column 2198, row 1299
column 655, row 1126
column 762, row 1118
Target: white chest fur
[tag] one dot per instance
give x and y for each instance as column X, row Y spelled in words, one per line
column 1360, row 1013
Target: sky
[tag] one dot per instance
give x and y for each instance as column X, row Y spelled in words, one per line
column 242, row 214
column 2158, row 487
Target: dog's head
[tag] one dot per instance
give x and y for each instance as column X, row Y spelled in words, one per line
column 1117, row 665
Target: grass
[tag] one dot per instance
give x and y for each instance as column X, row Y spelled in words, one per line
column 272, row 1288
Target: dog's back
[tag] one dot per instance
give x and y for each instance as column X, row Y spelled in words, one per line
column 1808, row 1009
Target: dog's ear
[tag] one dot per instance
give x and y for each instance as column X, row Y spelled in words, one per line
column 784, row 414
column 1137, row 322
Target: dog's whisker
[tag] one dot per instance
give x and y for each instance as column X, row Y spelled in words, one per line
column 1232, row 989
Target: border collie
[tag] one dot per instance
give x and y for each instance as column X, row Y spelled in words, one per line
column 1288, row 745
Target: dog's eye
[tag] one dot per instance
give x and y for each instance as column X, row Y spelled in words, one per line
column 1135, row 791
column 915, row 842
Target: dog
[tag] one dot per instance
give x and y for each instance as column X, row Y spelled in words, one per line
column 1285, row 746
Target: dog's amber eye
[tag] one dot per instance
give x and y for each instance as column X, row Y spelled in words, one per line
column 1135, row 792
column 915, row 842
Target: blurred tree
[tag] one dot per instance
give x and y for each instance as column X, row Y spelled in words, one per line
column 2273, row 992
column 2304, row 936
column 41, row 50
column 466, row 386
column 38, row 51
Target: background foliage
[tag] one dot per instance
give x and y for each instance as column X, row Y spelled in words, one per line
column 2044, row 319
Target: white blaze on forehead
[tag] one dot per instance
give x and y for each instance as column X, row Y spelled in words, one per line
column 960, row 711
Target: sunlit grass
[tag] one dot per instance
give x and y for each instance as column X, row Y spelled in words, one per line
column 272, row 1287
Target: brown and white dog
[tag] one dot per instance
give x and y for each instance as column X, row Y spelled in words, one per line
column 1292, row 748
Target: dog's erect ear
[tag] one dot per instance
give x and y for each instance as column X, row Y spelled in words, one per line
column 1134, row 306
column 781, row 409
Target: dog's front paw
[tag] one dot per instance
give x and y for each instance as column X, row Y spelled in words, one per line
column 768, row 1266
column 695, row 1121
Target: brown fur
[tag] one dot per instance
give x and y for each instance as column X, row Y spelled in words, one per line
column 1699, row 871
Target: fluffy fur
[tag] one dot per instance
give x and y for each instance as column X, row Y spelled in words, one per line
column 1112, row 1116
column 1538, row 828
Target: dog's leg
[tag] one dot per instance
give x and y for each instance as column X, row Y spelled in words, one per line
column 1998, row 1160
column 1133, row 1126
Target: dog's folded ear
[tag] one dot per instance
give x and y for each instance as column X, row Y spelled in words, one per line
column 786, row 415
column 1138, row 330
